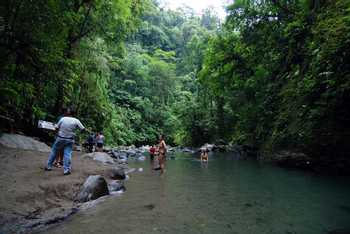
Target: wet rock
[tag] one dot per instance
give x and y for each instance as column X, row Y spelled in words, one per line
column 150, row 206
column 220, row 148
column 187, row 150
column 171, row 149
column 116, row 174
column 131, row 152
column 23, row 142
column 107, row 149
column 100, row 157
column 121, row 157
column 209, row 147
column 114, row 154
column 292, row 160
column 94, row 187
column 141, row 158
column 116, row 186
column 144, row 148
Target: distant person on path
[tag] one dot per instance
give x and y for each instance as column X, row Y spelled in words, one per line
column 100, row 141
column 64, row 141
column 162, row 153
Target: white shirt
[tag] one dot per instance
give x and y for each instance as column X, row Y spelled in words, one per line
column 67, row 125
column 100, row 139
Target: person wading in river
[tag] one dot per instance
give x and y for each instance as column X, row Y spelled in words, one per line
column 162, row 154
column 152, row 152
column 204, row 155
column 64, row 141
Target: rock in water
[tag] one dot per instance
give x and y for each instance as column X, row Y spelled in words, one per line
column 293, row 160
column 93, row 188
column 23, row 142
column 100, row 157
column 141, row 158
column 117, row 174
column 116, row 186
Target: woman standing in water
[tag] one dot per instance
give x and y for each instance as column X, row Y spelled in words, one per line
column 204, row 155
column 162, row 153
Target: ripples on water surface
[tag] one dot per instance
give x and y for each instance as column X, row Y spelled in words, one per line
column 223, row 196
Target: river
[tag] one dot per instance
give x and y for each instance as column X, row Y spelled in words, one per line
column 224, row 195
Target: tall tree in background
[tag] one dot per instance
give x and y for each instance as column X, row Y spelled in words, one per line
column 43, row 64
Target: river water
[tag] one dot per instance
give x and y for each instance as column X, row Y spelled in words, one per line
column 224, row 195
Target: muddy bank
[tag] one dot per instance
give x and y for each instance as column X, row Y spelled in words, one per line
column 31, row 197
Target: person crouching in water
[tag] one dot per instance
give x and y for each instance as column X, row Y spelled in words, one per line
column 204, row 155
column 162, row 153
column 64, row 141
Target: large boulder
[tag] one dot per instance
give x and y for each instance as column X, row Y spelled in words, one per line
column 94, row 187
column 100, row 157
column 116, row 174
column 23, row 142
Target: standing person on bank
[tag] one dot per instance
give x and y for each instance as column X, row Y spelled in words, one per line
column 100, row 138
column 64, row 141
column 91, row 142
column 59, row 158
column 162, row 153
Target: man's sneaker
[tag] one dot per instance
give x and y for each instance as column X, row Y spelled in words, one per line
column 66, row 173
column 48, row 169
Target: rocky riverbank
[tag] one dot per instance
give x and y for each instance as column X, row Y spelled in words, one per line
column 32, row 198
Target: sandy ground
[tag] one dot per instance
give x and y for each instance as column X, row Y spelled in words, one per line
column 30, row 196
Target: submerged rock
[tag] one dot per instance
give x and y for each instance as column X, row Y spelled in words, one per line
column 116, row 186
column 100, row 157
column 93, row 188
column 116, row 174
column 141, row 158
column 292, row 160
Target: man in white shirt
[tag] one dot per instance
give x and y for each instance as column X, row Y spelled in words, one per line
column 65, row 141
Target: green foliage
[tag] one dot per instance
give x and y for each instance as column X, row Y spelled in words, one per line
column 280, row 69
column 274, row 75
column 60, row 53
